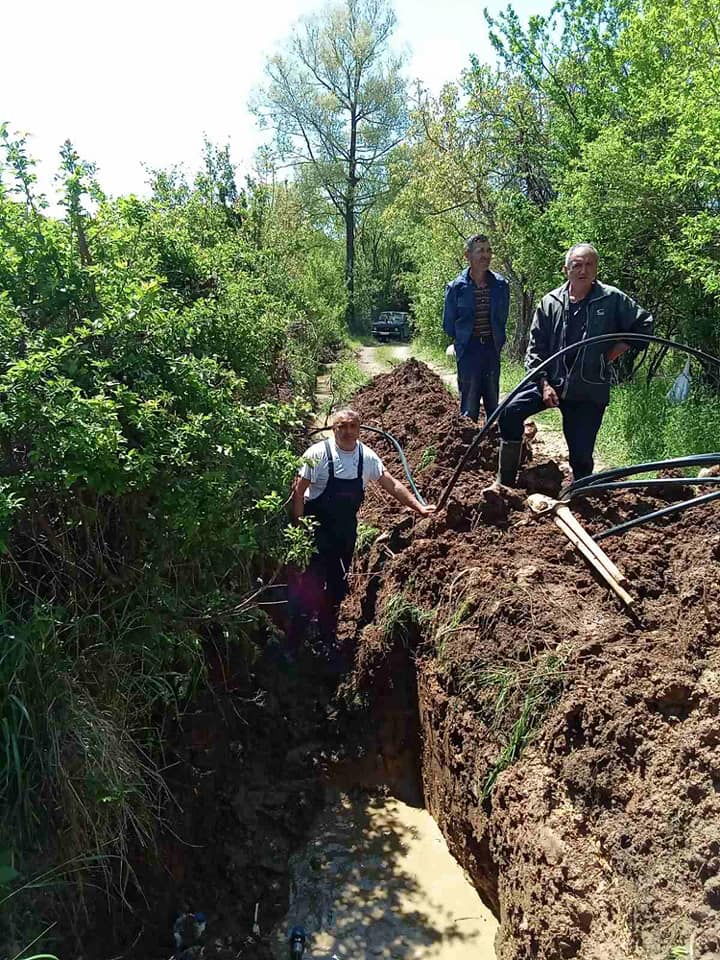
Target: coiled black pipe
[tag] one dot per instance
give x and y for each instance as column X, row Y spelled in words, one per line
column 594, row 488
column 656, row 514
column 603, row 476
column 398, row 449
column 618, row 337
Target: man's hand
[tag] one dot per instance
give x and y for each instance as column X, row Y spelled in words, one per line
column 550, row 397
column 403, row 495
column 617, row 350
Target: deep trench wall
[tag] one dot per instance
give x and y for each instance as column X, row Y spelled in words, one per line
column 601, row 840
column 453, row 802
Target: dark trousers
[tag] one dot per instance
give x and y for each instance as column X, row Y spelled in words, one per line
column 581, row 423
column 478, row 378
column 319, row 590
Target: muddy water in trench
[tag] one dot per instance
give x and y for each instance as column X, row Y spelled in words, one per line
column 376, row 879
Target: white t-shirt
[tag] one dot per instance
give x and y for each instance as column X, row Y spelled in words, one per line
column 345, row 465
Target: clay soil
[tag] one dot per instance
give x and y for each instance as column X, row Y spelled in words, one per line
column 570, row 750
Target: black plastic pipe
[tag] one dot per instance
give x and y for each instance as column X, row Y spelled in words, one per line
column 589, row 491
column 694, row 460
column 618, row 337
column 656, row 514
column 403, row 461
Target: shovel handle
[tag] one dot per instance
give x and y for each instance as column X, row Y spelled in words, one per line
column 593, row 560
column 564, row 512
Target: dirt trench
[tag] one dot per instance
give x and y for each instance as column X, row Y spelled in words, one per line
column 570, row 752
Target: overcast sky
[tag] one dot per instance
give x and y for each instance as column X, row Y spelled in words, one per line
column 143, row 80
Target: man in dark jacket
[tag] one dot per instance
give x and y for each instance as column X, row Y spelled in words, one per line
column 475, row 316
column 579, row 382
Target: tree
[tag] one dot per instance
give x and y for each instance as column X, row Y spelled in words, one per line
column 336, row 101
column 477, row 163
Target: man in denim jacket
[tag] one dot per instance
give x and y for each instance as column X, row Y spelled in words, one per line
column 579, row 382
column 475, row 316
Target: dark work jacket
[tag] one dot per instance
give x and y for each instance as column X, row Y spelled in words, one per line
column 459, row 313
column 585, row 375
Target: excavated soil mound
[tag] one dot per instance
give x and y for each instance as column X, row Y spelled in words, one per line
column 570, row 749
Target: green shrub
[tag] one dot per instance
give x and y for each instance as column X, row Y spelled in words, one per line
column 156, row 361
column 366, row 537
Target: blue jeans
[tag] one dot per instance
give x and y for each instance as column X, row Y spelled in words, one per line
column 581, row 423
column 478, row 379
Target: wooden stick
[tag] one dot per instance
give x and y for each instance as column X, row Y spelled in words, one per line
column 562, row 510
column 582, row 547
column 539, row 503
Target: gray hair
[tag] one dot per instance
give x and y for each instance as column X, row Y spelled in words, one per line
column 580, row 246
column 475, row 238
column 346, row 414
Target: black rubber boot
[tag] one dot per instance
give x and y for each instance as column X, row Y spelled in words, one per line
column 509, row 462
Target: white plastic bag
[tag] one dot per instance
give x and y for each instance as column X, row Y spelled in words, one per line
column 450, row 352
column 679, row 391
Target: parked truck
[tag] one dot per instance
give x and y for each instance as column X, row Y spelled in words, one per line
column 391, row 325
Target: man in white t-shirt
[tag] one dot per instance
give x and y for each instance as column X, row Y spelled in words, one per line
column 330, row 486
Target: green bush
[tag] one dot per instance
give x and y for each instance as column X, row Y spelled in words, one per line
column 156, row 362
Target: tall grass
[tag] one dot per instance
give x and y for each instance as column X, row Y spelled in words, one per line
column 401, row 619
column 80, row 781
column 642, row 425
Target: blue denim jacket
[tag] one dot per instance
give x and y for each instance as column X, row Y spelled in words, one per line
column 459, row 313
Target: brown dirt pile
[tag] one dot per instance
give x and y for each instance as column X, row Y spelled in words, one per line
column 570, row 753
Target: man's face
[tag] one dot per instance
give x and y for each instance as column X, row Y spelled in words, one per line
column 479, row 257
column 347, row 433
column 582, row 268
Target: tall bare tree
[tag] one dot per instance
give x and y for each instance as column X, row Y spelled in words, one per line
column 335, row 98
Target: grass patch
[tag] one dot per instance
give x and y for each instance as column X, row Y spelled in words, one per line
column 641, row 425
column 80, row 777
column 401, row 619
column 511, row 694
column 523, row 691
column 427, row 457
column 366, row 537
column 355, row 341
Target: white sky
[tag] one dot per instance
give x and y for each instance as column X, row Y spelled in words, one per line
column 142, row 80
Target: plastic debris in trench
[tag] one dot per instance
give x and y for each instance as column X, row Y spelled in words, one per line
column 680, row 390
column 187, row 933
